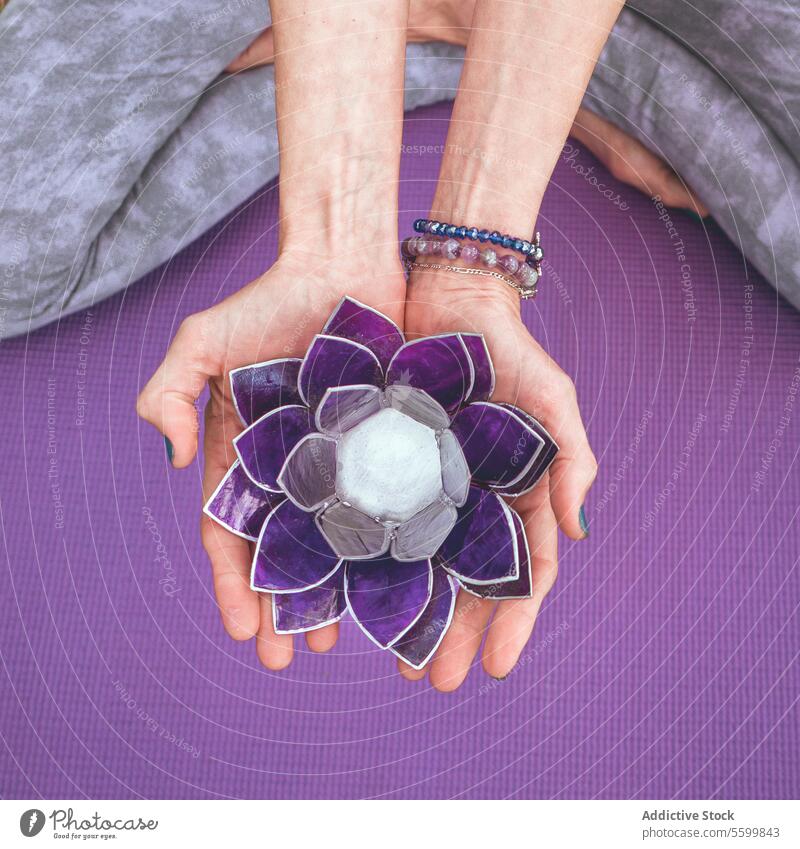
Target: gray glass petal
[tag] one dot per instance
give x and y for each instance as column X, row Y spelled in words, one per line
column 455, row 471
column 418, row 405
column 352, row 534
column 308, row 476
column 422, row 534
column 343, row 407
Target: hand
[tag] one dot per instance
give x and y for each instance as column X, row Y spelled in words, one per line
column 630, row 161
column 274, row 316
column 526, row 376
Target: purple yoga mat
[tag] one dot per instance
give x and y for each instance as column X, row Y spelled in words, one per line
column 663, row 663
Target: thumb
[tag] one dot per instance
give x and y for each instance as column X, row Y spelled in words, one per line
column 167, row 401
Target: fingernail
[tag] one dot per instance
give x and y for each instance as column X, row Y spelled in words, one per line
column 582, row 521
column 500, row 677
column 170, row 449
column 696, row 215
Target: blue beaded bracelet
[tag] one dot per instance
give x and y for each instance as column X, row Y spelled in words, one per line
column 532, row 251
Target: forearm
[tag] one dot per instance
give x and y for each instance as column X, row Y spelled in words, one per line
column 339, row 70
column 525, row 73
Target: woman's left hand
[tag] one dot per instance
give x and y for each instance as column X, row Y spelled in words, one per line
column 526, row 376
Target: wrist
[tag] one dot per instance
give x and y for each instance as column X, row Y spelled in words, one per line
column 374, row 277
column 442, row 301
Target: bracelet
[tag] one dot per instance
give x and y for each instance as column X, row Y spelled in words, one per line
column 526, row 277
column 532, row 251
column 524, row 293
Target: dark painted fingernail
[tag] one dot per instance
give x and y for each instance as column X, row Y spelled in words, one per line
column 582, row 521
column 696, row 215
column 501, row 677
column 170, row 449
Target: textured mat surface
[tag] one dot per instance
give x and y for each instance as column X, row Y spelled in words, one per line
column 664, row 663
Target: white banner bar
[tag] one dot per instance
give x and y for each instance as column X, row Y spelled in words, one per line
column 403, row 825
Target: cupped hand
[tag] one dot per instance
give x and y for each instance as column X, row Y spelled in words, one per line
column 526, row 376
column 274, row 316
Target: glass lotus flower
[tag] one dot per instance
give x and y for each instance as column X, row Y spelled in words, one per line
column 371, row 477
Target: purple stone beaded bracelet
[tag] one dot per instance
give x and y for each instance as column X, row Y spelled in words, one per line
column 525, row 275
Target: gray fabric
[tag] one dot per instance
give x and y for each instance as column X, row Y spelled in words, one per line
column 713, row 87
column 122, row 142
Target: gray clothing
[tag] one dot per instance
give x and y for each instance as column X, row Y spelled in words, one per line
column 122, row 142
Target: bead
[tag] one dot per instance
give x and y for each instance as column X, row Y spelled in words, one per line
column 434, row 228
column 508, row 263
column 506, row 241
column 469, row 253
column 450, row 230
column 495, row 238
column 489, row 257
column 527, row 276
column 526, row 246
column 419, row 225
column 422, row 246
column 461, row 233
column 517, row 244
column 538, row 254
column 450, row 249
column 483, row 235
column 472, row 233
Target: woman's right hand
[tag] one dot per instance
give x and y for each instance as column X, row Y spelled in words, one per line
column 274, row 316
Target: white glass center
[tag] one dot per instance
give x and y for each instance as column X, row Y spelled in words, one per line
column 388, row 466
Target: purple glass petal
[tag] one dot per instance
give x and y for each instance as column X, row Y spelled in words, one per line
column 483, row 386
column 440, row 365
column 343, row 407
column 421, row 536
column 239, row 505
column 332, row 361
column 264, row 446
column 482, row 547
column 351, row 533
column 308, row 476
column 360, row 323
column 418, row 405
column 294, row 613
column 386, row 597
column 500, row 447
column 523, row 586
column 540, row 465
column 455, row 471
column 260, row 388
column 291, row 555
column 418, row 644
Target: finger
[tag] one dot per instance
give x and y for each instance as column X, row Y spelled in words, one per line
column 230, row 555
column 323, row 639
column 260, row 52
column 167, row 401
column 409, row 673
column 571, row 476
column 554, row 401
column 275, row 651
column 461, row 642
column 513, row 620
